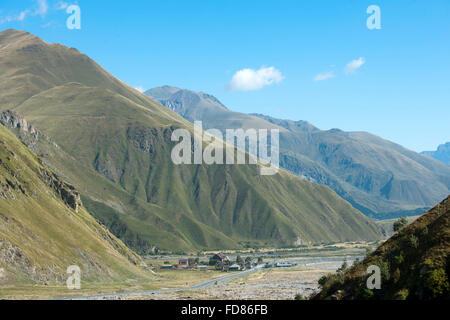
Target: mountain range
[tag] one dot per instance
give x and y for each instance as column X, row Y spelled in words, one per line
column 113, row 144
column 380, row 178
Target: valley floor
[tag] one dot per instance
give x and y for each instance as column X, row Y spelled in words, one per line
column 262, row 284
column 308, row 265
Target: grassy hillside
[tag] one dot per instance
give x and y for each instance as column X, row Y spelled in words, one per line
column 44, row 228
column 380, row 178
column 414, row 263
column 113, row 143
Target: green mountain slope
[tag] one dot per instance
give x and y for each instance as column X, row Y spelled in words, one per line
column 114, row 144
column 414, row 263
column 44, row 228
column 380, row 178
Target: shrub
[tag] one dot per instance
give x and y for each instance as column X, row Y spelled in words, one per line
column 400, row 224
column 428, row 263
column 384, row 269
column 396, row 275
column 413, row 241
column 437, row 283
column 399, row 259
column 366, row 294
column 402, row 294
column 299, row 297
column 324, row 280
column 424, row 231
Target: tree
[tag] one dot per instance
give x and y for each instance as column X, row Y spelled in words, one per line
column 400, row 224
column 344, row 266
column 248, row 259
column 191, row 261
column 260, row 260
column 324, row 280
column 239, row 259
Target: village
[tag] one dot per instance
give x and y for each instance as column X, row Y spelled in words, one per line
column 221, row 262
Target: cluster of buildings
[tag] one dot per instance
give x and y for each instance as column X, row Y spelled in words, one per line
column 218, row 261
column 183, row 264
column 223, row 263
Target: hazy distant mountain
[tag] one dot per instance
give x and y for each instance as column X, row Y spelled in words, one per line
column 442, row 153
column 380, row 178
column 114, row 144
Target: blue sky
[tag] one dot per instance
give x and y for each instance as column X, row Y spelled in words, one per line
column 398, row 87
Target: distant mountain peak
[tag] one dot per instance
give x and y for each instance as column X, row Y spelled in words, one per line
column 442, row 153
column 189, row 104
column 169, row 92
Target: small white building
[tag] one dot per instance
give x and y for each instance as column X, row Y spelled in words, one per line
column 283, row 265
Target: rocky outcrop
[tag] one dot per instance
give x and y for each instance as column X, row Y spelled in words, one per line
column 67, row 192
column 11, row 119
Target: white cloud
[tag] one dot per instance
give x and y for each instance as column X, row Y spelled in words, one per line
column 352, row 66
column 249, row 79
column 20, row 17
column 140, row 89
column 61, row 5
column 41, row 10
column 324, row 76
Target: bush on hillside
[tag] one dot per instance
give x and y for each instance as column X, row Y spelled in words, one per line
column 437, row 283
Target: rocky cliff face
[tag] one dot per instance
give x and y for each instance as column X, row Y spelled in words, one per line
column 65, row 191
column 11, row 119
